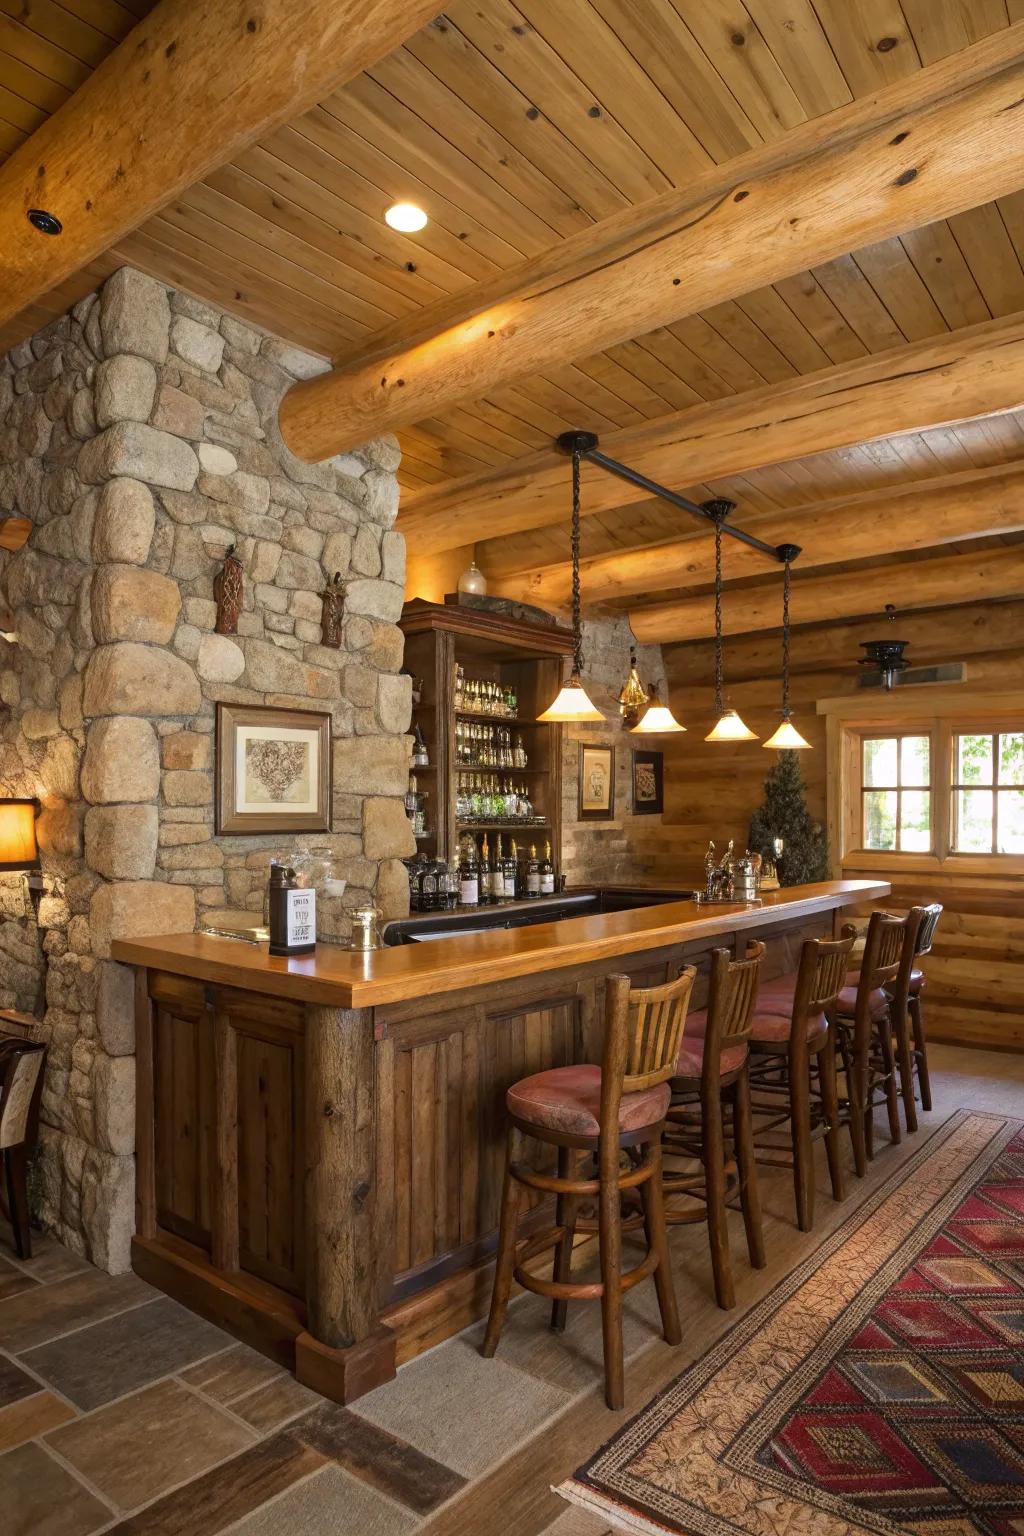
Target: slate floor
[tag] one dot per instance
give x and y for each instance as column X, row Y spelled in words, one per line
column 121, row 1411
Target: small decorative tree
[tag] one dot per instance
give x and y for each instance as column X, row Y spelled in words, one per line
column 784, row 814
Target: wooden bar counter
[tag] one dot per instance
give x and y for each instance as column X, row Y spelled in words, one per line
column 320, row 1140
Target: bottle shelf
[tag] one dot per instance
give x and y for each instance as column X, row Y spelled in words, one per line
column 508, row 825
column 494, row 768
column 466, row 714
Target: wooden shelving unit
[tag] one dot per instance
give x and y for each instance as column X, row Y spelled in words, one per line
column 438, row 636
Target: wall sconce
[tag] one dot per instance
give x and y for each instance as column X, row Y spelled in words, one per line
column 19, row 849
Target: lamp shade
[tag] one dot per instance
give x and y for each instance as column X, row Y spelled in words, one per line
column 571, row 705
column 657, row 719
column 18, row 847
column 729, row 727
column 786, row 738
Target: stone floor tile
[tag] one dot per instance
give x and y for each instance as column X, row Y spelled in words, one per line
column 274, row 1404
column 13, row 1280
column 232, row 1373
column 463, row 1411
column 39, row 1497
column 330, row 1504
column 97, row 1364
column 378, row 1458
column 227, row 1493
column 50, row 1260
column 14, row 1382
column 138, row 1447
column 30, row 1417
column 49, row 1310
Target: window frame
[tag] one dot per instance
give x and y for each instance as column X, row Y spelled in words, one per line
column 993, row 787
column 899, row 788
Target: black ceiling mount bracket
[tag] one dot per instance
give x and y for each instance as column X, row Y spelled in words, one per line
column 787, row 553
column 46, row 223
column 586, row 445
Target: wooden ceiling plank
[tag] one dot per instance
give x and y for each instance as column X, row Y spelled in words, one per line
column 473, row 135
column 852, row 294
column 608, row 370
column 67, row 33
column 515, row 427
column 735, row 46
column 111, row 19
column 796, row 38
column 537, row 412
column 157, row 115
column 35, row 88
column 745, row 336
column 970, row 373
column 711, row 351
column 39, row 53
column 664, row 383
column 10, row 137
column 673, row 60
column 981, row 235
column 899, row 287
column 466, row 444
column 813, row 307
column 942, row 27
column 442, row 48
column 924, row 583
column 696, row 369
column 595, row 394
column 569, row 407
column 940, row 264
column 871, row 41
column 18, row 112
column 491, row 436
column 1012, row 211
column 769, row 311
column 502, row 35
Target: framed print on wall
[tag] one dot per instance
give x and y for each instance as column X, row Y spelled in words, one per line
column 648, row 783
column 596, row 783
column 273, row 770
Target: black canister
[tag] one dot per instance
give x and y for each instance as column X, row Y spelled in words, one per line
column 292, row 913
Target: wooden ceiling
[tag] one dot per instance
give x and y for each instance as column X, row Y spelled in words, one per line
column 518, row 125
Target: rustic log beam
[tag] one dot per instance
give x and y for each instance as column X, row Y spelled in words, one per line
column 968, row 505
column 193, row 83
column 987, row 573
column 943, row 140
column 974, row 372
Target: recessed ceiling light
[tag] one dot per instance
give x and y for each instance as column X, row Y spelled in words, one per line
column 406, row 218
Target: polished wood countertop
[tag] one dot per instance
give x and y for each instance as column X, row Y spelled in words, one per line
column 340, row 978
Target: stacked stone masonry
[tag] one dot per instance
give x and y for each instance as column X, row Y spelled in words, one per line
column 139, row 435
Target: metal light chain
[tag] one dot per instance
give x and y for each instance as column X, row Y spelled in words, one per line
column 719, row 669
column 785, row 641
column 577, row 623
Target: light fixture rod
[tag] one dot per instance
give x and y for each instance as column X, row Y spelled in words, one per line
column 585, row 445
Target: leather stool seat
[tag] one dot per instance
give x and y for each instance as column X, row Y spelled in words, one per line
column 690, row 1061
column 774, row 1028
column 916, row 980
column 568, row 1099
column 846, row 1003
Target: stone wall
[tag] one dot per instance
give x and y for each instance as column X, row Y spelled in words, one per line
column 139, row 435
column 608, row 852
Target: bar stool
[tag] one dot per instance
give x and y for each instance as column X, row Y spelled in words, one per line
column 21, row 1065
column 712, row 1078
column 899, row 997
column 602, row 1111
column 790, row 1032
column 925, row 939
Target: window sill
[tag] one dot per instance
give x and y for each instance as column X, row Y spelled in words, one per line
column 1007, row 865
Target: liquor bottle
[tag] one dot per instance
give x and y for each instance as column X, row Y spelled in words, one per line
column 519, row 758
column 547, row 873
column 513, row 872
column 486, row 894
column 451, row 887
column 420, row 758
column 498, row 872
column 533, row 873
column 460, row 685
column 428, row 888
column 412, row 798
column 469, row 878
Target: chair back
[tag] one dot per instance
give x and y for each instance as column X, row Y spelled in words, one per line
column 20, row 1066
column 820, row 978
column 642, row 1034
column 929, row 923
column 886, row 964
column 732, row 998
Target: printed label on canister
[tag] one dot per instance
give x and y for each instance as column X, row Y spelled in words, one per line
column 301, row 916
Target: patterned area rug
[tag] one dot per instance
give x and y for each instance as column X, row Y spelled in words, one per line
column 879, row 1387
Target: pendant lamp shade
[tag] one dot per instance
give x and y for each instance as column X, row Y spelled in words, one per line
column 786, row 737
column 728, row 725
column 657, row 719
column 571, row 703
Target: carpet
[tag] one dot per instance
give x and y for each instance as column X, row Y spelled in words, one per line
column 879, row 1387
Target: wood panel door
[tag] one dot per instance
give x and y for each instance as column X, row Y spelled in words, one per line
column 183, row 1108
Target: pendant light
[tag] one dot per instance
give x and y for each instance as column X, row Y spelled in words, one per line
column 657, row 719
column 728, row 725
column 633, row 696
column 572, row 704
column 786, row 737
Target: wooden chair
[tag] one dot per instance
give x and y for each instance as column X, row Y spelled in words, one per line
column 919, row 1050
column 602, row 1111
column 21, row 1065
column 866, row 1015
column 712, row 1081
column 791, row 1033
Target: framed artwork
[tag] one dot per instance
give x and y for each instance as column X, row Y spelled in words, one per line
column 648, row 783
column 273, row 771
column 596, row 783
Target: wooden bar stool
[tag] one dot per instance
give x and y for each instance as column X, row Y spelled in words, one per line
column 919, row 1049
column 712, row 1079
column 790, row 1033
column 21, row 1065
column 602, row 1111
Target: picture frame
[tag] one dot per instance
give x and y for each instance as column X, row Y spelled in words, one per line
column 273, row 770
column 648, row 783
column 596, row 785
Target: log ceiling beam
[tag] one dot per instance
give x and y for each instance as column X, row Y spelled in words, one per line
column 958, row 376
column 945, row 139
column 846, row 594
column 967, row 505
column 191, row 85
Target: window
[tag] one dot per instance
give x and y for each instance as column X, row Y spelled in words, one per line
column 896, row 797
column 988, row 792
